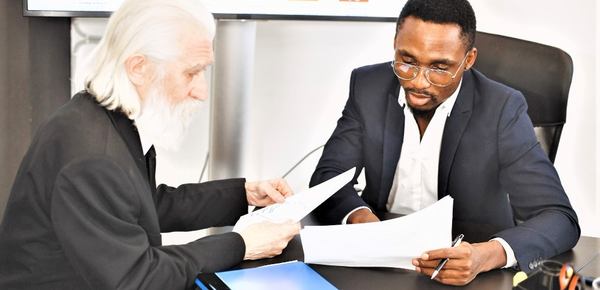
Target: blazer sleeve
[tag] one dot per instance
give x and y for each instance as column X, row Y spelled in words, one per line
column 547, row 224
column 342, row 151
column 95, row 211
column 197, row 206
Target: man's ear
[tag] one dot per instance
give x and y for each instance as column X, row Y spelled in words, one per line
column 471, row 58
column 138, row 69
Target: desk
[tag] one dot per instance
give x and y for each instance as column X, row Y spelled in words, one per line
column 385, row 278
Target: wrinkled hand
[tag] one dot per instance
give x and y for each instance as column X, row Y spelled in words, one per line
column 267, row 239
column 362, row 215
column 465, row 263
column 263, row 193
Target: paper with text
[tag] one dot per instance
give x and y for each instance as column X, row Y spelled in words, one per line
column 391, row 243
column 299, row 205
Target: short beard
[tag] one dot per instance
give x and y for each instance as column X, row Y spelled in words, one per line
column 163, row 123
column 428, row 114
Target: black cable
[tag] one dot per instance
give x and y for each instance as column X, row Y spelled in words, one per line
column 204, row 167
column 303, row 158
column 283, row 176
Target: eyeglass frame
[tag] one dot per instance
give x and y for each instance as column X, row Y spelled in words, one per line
column 427, row 70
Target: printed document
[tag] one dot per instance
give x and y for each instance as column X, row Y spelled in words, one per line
column 298, row 205
column 391, row 243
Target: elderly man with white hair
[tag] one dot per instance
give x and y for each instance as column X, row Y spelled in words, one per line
column 84, row 211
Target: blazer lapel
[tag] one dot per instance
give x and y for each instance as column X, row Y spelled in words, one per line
column 453, row 131
column 393, row 136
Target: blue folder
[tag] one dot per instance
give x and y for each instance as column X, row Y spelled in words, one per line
column 290, row 276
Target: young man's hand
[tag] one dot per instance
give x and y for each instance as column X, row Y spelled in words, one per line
column 465, row 261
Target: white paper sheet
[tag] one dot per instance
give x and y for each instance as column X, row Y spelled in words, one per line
column 298, row 205
column 391, row 243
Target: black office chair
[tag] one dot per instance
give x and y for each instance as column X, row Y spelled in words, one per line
column 542, row 73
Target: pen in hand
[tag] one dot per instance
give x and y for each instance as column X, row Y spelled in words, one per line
column 443, row 262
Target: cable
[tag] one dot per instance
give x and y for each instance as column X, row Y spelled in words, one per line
column 588, row 262
column 204, row 167
column 298, row 163
column 283, row 176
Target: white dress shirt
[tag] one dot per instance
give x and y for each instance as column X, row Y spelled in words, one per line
column 144, row 139
column 415, row 184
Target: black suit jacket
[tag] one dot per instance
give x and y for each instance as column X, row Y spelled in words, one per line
column 81, row 214
column 490, row 163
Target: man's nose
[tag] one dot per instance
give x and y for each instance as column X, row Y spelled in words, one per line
column 421, row 82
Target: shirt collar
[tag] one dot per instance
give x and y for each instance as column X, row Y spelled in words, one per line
column 144, row 139
column 445, row 107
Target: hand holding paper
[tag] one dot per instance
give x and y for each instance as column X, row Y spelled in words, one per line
column 263, row 193
column 266, row 239
column 297, row 206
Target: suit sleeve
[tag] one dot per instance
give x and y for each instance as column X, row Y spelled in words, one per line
column 95, row 213
column 342, row 151
column 547, row 224
column 197, row 206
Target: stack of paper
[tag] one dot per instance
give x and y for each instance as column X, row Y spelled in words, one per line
column 391, row 243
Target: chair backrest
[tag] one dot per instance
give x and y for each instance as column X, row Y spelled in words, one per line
column 542, row 73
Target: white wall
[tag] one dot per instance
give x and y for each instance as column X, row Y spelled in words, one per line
column 301, row 84
column 595, row 95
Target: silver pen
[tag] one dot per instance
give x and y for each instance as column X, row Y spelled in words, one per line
column 443, row 262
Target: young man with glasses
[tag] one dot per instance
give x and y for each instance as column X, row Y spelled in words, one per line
column 427, row 125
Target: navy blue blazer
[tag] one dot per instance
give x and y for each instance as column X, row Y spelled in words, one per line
column 502, row 182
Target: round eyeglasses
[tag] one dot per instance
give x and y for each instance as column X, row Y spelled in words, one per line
column 436, row 77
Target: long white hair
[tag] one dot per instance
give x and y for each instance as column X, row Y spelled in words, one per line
column 148, row 27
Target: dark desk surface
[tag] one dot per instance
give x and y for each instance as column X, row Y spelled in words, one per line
column 384, row 278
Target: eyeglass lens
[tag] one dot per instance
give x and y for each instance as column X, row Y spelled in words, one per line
column 409, row 72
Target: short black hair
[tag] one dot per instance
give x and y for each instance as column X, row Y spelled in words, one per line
column 457, row 12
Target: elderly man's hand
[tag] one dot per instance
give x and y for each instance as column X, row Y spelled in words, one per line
column 263, row 193
column 466, row 261
column 267, row 239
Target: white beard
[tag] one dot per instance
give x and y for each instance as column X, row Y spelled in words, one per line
column 164, row 124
